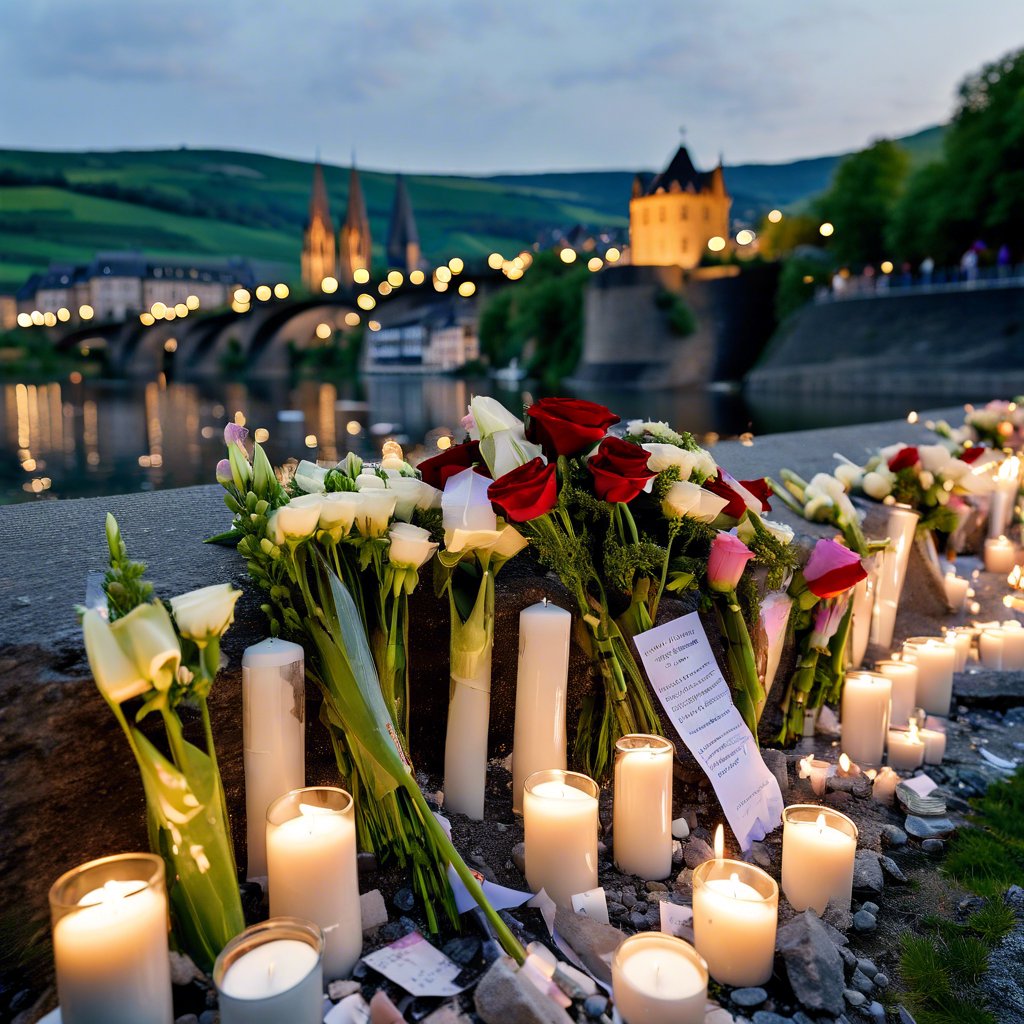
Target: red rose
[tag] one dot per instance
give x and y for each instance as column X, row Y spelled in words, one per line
column 833, row 569
column 739, row 494
column 435, row 471
column 972, row 454
column 619, row 469
column 567, row 426
column 760, row 489
column 905, row 458
column 526, row 492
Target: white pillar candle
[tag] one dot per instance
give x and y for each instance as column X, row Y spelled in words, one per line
column 642, row 806
column 110, row 942
column 735, row 914
column 659, row 979
column 990, row 648
column 272, row 972
column 863, row 605
column 906, row 749
column 560, row 833
column 961, row 637
column 865, row 716
column 935, row 660
column 934, row 745
column 883, row 786
column 1000, row 555
column 904, row 689
column 539, row 741
column 1004, row 496
column 273, row 736
column 956, row 588
column 818, row 849
column 311, row 862
column 900, row 526
column 1012, row 659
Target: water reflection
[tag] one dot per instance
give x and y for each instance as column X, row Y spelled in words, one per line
column 75, row 439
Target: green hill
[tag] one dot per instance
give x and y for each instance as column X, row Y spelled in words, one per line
column 193, row 203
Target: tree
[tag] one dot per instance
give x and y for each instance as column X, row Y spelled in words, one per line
column 861, row 200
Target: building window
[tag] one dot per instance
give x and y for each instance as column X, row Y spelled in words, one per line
column 684, row 213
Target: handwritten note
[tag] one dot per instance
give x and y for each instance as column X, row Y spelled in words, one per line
column 684, row 674
column 592, row 903
column 676, row 919
column 417, row 966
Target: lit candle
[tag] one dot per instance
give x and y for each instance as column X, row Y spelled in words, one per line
column 818, row 849
column 1012, row 659
column 935, row 660
column 817, row 771
column 273, row 736
column 865, row 715
column 110, row 942
column 642, row 806
column 311, row 862
column 735, row 914
column 272, row 972
column 659, row 979
column 961, row 637
column 900, row 527
column 1000, row 553
column 883, row 786
column 990, row 648
column 906, row 749
column 1004, row 496
column 956, row 590
column 904, row 688
column 934, row 742
column 540, row 740
column 560, row 833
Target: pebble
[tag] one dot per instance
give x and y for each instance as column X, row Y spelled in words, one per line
column 183, row 970
column 720, row 1015
column 893, row 870
column 877, row 1011
column 518, row 856
column 696, row 851
column 615, row 909
column 188, row 1018
column 849, row 958
column 882, row 980
column 867, row 968
column 404, row 900
column 871, row 908
column 933, row 846
column 801, row 1018
column 855, row 998
column 767, row 1017
column 594, row 1006
column 748, row 997
column 680, row 828
column 209, row 1017
column 638, row 921
column 463, row 949
column 894, row 835
column 762, row 858
column 657, row 887
column 677, row 853
column 864, row 922
column 867, row 872
column 366, row 862
column 861, row 982
column 628, row 898
column 338, row 990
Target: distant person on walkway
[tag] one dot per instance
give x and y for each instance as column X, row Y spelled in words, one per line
column 838, row 284
column 927, row 268
column 1003, row 260
column 867, row 278
column 969, row 265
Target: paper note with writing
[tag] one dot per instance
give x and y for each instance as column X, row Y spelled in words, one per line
column 592, row 903
column 682, row 669
column 417, row 966
column 676, row 919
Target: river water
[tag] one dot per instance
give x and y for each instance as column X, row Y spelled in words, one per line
column 65, row 439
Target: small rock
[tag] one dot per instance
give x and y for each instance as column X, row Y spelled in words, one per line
column 867, row 872
column 404, row 899
column 905, row 1015
column 813, row 964
column 594, row 1006
column 768, row 1017
column 463, row 949
column 867, row 968
column 677, row 853
column 877, row 1011
column 882, row 980
column 684, row 880
column 518, row 856
column 366, row 862
column 933, row 846
column 778, row 764
column 447, row 1013
column 871, row 908
column 183, row 971
column 801, row 1018
column 718, row 1015
column 575, row 984
column 383, row 1010
column 928, row 828
column 592, row 941
column 855, row 998
column 893, row 835
column 657, row 887
column 762, row 858
column 615, row 909
column 338, row 990
column 748, row 997
column 502, row 997
column 861, row 982
column 892, row 869
column 373, row 909
column 696, row 851
column 864, row 922
column 628, row 899
column 680, row 828
column 638, row 921
column 849, row 957
column 209, row 1017
column 186, row 1018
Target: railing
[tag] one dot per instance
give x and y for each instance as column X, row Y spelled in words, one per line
column 946, row 280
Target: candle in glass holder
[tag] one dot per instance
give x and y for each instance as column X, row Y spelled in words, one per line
column 956, row 588
column 272, row 972
column 900, row 527
column 735, row 914
column 935, row 660
column 817, row 771
column 906, row 749
column 110, row 942
column 273, row 736
column 311, row 870
column 659, row 979
column 642, row 806
column 1012, row 657
column 540, row 740
column 904, row 689
column 818, row 849
column 990, row 648
column 560, row 833
column 1000, row 554
column 865, row 715
column 883, row 786
column 961, row 637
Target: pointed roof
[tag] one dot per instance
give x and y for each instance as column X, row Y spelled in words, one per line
column 402, row 229
column 680, row 175
column 356, row 218
column 318, row 205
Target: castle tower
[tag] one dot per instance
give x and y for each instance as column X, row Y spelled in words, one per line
column 403, row 249
column 673, row 215
column 318, row 252
column 354, row 242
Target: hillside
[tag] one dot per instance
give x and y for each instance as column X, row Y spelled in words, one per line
column 192, row 203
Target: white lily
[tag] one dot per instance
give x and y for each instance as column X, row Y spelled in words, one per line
column 115, row 673
column 412, row 493
column 504, row 543
column 502, row 436
column 374, row 511
column 686, row 499
column 146, row 634
column 310, row 477
column 369, row 481
column 411, row 546
column 465, row 505
column 205, row 613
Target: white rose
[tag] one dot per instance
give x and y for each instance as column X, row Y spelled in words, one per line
column 374, row 511
column 146, row 634
column 369, row 481
column 665, row 456
column 412, row 493
column 706, row 465
column 395, row 464
column 310, row 477
column 411, row 546
column 849, row 475
column 686, row 499
column 877, row 485
column 298, row 519
column 934, row 457
column 338, row 511
column 824, row 483
column 206, row 612
column 115, row 673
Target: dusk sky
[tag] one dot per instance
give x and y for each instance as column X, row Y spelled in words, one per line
column 480, row 87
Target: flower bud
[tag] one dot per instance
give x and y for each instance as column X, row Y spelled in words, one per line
column 115, row 673
column 411, row 546
column 205, row 613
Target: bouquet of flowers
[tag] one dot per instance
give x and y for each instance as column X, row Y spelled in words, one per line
column 998, row 424
column 152, row 657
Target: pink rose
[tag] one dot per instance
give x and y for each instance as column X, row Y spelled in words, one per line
column 726, row 561
column 833, row 569
column 827, row 617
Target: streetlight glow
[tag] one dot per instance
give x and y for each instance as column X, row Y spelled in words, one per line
column 826, row 229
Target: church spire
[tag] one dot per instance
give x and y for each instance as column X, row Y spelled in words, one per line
column 355, row 242
column 403, row 248
column 318, row 243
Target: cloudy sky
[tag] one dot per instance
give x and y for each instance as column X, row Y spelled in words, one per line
column 489, row 85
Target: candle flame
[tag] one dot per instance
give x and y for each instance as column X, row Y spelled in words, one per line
column 844, row 763
column 913, row 730
column 735, row 879
column 719, row 843
column 1009, row 470
column 871, row 773
column 392, row 448
column 820, row 823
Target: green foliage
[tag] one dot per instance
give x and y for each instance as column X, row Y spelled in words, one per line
column 798, row 281
column 681, row 320
column 941, row 977
column 793, row 230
